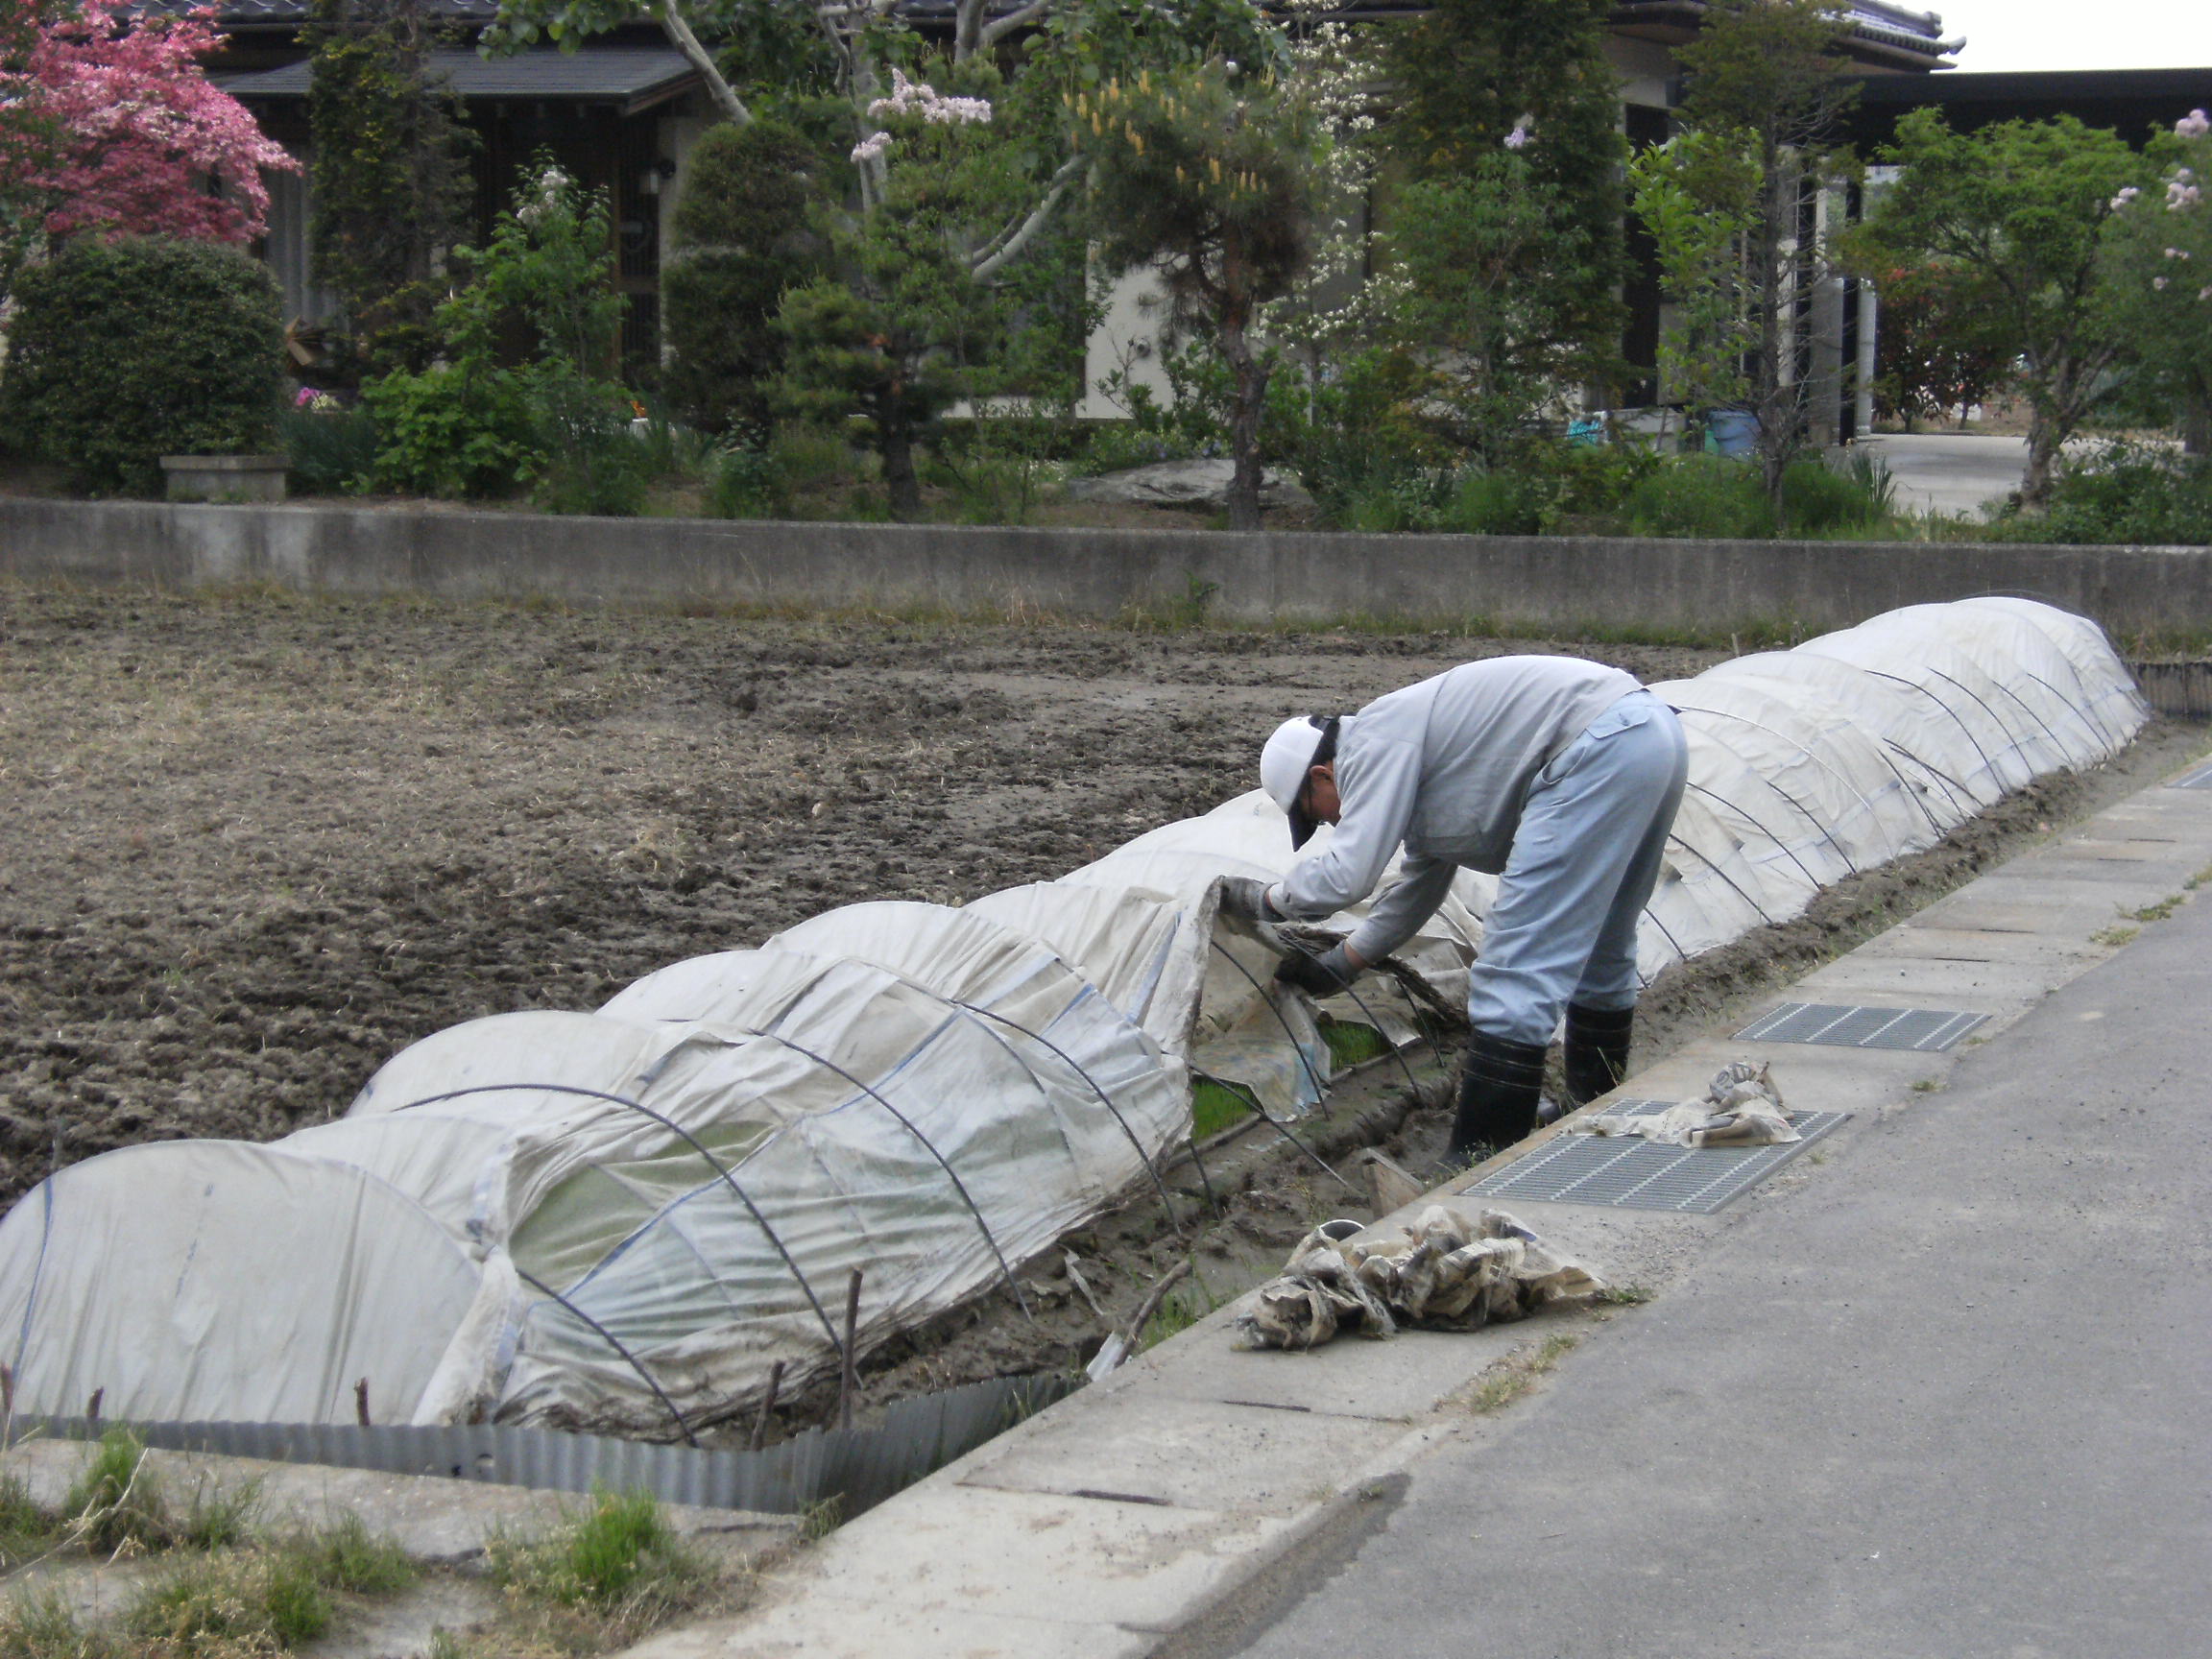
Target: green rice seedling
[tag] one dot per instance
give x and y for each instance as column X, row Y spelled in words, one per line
column 1217, row 1106
column 1351, row 1044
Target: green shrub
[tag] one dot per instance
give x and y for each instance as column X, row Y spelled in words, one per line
column 330, row 453
column 2123, row 495
column 746, row 483
column 459, row 431
column 740, row 238
column 1817, row 498
column 586, row 458
column 1499, row 503
column 1703, row 497
column 1117, row 446
column 123, row 351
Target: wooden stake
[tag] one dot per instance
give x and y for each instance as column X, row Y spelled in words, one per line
column 767, row 1406
column 361, row 1401
column 92, row 1409
column 849, row 1385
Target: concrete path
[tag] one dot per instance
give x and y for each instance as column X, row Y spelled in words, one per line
column 1949, row 1402
column 1950, row 472
column 1934, row 1390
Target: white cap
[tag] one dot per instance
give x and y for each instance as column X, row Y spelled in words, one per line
column 1289, row 754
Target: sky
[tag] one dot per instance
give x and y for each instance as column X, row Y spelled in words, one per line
column 2068, row 35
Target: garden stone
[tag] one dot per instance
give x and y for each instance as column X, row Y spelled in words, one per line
column 1203, row 484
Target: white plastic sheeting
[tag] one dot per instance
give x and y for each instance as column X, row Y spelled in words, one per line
column 623, row 1220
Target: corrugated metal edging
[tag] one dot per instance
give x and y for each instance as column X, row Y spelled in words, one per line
column 2181, row 689
column 860, row 1466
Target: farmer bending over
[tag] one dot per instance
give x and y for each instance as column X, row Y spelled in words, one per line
column 1560, row 777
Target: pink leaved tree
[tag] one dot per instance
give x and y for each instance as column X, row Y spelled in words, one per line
column 124, row 134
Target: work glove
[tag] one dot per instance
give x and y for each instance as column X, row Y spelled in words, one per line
column 1244, row 900
column 1322, row 976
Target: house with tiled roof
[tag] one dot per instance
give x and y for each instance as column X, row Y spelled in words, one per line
column 622, row 111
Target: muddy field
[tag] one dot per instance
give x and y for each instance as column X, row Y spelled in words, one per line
column 255, row 844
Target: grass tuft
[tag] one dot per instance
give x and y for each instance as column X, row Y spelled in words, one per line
column 619, row 1558
column 2157, row 912
column 227, row 1606
column 116, row 1504
column 2115, row 936
column 347, row 1556
column 222, row 1519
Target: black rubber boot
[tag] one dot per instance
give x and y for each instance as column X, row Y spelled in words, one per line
column 1596, row 1050
column 1497, row 1094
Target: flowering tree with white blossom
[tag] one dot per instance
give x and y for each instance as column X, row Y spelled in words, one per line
column 2160, row 277
column 2029, row 211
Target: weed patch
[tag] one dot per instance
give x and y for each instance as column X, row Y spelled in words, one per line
column 25, row 1529
column 608, row 1576
column 1515, row 1374
column 347, row 1556
column 226, row 1606
column 116, row 1504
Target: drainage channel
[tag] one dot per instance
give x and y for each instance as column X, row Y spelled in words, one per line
column 859, row 1467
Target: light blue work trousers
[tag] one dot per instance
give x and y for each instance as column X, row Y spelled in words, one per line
column 1583, row 864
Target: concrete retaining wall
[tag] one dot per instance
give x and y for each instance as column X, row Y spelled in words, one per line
column 1559, row 585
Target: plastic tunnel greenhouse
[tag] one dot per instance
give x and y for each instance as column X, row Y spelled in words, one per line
column 622, row 1221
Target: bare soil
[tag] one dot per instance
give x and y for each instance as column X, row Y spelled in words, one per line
column 255, row 844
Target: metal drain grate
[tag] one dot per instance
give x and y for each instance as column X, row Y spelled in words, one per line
column 2196, row 777
column 1630, row 1174
column 1919, row 1031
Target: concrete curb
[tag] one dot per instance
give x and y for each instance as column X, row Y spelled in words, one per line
column 1171, row 1495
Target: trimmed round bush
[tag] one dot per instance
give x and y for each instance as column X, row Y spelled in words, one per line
column 124, row 351
column 741, row 237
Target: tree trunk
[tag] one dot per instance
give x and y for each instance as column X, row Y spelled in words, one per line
column 896, row 446
column 2046, row 434
column 1250, row 398
column 2196, row 427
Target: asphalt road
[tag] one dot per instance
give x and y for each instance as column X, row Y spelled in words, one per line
column 1952, row 473
column 1951, row 1399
